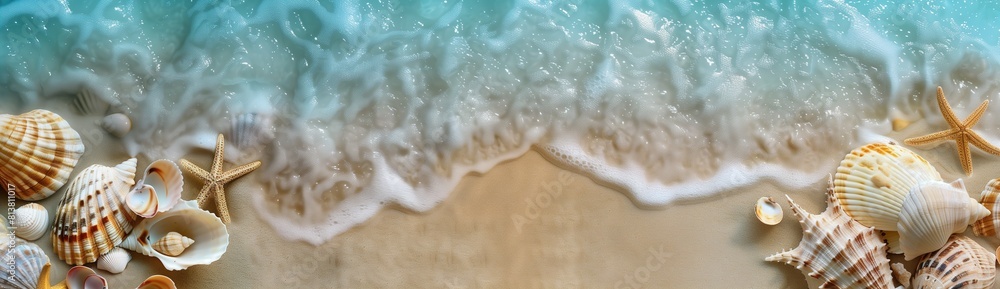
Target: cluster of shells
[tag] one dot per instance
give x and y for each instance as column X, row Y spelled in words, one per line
column 886, row 199
column 103, row 212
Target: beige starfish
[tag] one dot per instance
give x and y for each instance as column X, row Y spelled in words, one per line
column 216, row 179
column 960, row 132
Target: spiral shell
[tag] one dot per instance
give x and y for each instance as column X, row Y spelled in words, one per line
column 164, row 177
column 839, row 251
column 173, row 244
column 92, row 217
column 28, row 261
column 31, row 221
column 961, row 263
column 114, row 261
column 38, row 151
column 207, row 232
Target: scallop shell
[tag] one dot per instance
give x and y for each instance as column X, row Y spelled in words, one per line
column 29, row 260
column 88, row 102
column 208, row 232
column 157, row 282
column 173, row 244
column 251, row 129
column 117, row 124
column 92, row 217
column 839, row 251
column 31, row 221
column 893, row 189
column 990, row 225
column 768, row 211
column 165, row 179
column 961, row 263
column 933, row 214
column 114, row 261
column 38, row 151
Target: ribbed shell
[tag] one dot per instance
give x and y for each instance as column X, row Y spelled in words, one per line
column 38, row 151
column 173, row 244
column 31, row 221
column 961, row 263
column 92, row 217
column 991, row 224
column 28, row 262
column 837, row 250
column 933, row 213
column 873, row 180
column 114, row 261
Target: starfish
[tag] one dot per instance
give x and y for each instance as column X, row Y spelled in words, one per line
column 960, row 132
column 216, row 179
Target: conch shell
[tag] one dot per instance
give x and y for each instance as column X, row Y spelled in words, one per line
column 839, row 251
column 961, row 263
column 173, row 244
column 28, row 262
column 92, row 217
column 31, row 221
column 209, row 235
column 891, row 188
column 38, row 151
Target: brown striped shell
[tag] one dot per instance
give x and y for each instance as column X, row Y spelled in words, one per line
column 38, row 151
column 961, row 263
column 988, row 226
column 839, row 251
column 92, row 217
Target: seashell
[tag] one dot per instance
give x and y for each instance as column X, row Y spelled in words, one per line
column 961, row 263
column 839, row 251
column 92, row 217
column 209, row 235
column 28, row 262
column 251, row 129
column 157, row 282
column 891, row 188
column 31, row 221
column 173, row 244
column 938, row 211
column 114, row 261
column 165, row 179
column 38, row 151
column 989, row 226
column 768, row 211
column 142, row 201
column 902, row 275
column 81, row 277
column 88, row 102
column 117, row 124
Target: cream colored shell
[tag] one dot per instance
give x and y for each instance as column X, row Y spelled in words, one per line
column 839, row 251
column 173, row 244
column 209, row 235
column 932, row 214
column 31, row 221
column 157, row 282
column 768, row 211
column 92, row 217
column 114, row 261
column 961, row 263
column 38, row 151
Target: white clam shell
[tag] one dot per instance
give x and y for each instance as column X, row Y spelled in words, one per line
column 157, row 282
column 768, row 211
column 38, row 151
column 961, row 263
column 31, row 221
column 208, row 232
column 114, row 261
column 92, row 217
column 117, row 124
column 932, row 214
column 839, row 251
column 28, row 258
column 166, row 181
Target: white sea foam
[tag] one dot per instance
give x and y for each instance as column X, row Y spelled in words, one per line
column 358, row 105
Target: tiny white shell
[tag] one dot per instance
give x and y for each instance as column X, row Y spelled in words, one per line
column 117, row 124
column 114, row 261
column 768, row 211
column 31, row 221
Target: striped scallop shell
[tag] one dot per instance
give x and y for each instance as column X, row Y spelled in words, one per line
column 990, row 225
column 38, row 151
column 961, row 263
column 873, row 180
column 114, row 261
column 31, row 221
column 839, row 251
column 28, row 261
column 92, row 217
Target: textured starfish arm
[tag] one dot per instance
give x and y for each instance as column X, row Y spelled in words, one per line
column 239, row 171
column 978, row 141
column 946, row 111
column 944, row 134
column 195, row 170
column 203, row 195
column 964, row 156
column 217, row 159
column 220, row 204
column 974, row 117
